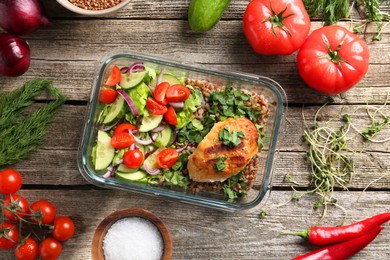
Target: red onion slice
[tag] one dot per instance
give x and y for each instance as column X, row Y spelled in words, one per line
column 176, row 104
column 159, row 128
column 136, row 66
column 128, row 100
column 159, row 78
column 174, row 137
column 110, row 172
column 151, row 171
column 179, row 150
column 144, row 142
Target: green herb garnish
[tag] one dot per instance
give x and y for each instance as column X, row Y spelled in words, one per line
column 21, row 134
column 219, row 166
column 230, row 139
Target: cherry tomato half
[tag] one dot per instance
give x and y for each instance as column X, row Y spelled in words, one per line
column 170, row 116
column 122, row 140
column 124, row 128
column 10, row 181
column 43, row 212
column 133, row 159
column 177, row 93
column 159, row 93
column 107, row 95
column 63, row 228
column 18, row 205
column 13, row 234
column 167, row 158
column 114, row 78
column 27, row 251
column 154, row 107
column 50, row 248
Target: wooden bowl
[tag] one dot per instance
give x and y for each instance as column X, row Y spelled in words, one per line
column 101, row 230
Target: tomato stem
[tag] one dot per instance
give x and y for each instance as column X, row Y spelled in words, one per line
column 277, row 20
column 333, row 55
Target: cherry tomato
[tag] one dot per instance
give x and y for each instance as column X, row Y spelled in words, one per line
column 177, row 93
column 18, row 205
column 114, row 78
column 63, row 228
column 159, row 93
column 124, row 128
column 27, row 251
column 122, row 140
column 10, row 181
column 154, row 107
column 333, row 60
column 133, row 159
column 170, row 116
column 50, row 249
column 167, row 158
column 276, row 27
column 43, row 212
column 11, row 230
column 107, row 95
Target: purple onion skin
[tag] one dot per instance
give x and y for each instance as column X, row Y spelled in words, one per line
column 21, row 16
column 14, row 55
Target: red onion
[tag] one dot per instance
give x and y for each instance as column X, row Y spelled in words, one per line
column 21, row 16
column 151, row 171
column 159, row 77
column 179, row 150
column 128, row 101
column 139, row 65
column 14, row 55
column 177, row 104
column 158, row 128
column 144, row 142
column 176, row 135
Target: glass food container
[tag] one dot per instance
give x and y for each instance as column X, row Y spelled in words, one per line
column 269, row 89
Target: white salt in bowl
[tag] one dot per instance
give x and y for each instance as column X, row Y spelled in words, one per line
column 146, row 225
column 75, row 9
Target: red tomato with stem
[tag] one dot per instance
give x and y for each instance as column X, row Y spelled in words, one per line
column 133, row 159
column 17, row 206
column 63, row 228
column 333, row 60
column 107, row 95
column 177, row 93
column 124, row 128
column 50, row 249
column 122, row 140
column 28, row 250
column 159, row 93
column 167, row 158
column 9, row 235
column 170, row 116
column 154, row 107
column 43, row 212
column 10, row 181
column 115, row 77
column 276, row 27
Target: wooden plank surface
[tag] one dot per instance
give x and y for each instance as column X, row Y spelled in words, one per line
column 68, row 51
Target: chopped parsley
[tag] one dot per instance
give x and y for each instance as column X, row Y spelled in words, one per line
column 219, row 166
column 230, row 139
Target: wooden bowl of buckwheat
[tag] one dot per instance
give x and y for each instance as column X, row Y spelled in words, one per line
column 93, row 7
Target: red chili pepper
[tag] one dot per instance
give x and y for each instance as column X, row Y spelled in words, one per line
column 342, row 250
column 328, row 235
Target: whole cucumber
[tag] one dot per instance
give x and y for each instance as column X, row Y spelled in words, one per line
column 204, row 14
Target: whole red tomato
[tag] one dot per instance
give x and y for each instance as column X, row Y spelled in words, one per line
column 17, row 205
column 10, row 181
column 50, row 249
column 43, row 212
column 333, row 60
column 27, row 251
column 276, row 27
column 63, row 228
column 9, row 235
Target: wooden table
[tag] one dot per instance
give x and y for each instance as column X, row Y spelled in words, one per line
column 67, row 52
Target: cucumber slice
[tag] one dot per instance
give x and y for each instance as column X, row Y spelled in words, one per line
column 165, row 137
column 117, row 110
column 172, row 80
column 104, row 151
column 150, row 122
column 151, row 161
column 133, row 79
column 138, row 176
column 123, row 169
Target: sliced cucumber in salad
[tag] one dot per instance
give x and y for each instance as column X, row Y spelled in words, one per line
column 117, row 110
column 133, row 79
column 150, row 122
column 104, row 151
column 165, row 137
column 131, row 177
column 166, row 77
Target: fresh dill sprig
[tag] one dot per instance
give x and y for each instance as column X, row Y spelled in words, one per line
column 332, row 11
column 19, row 133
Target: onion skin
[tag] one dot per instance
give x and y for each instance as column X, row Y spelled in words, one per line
column 14, row 55
column 21, row 16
